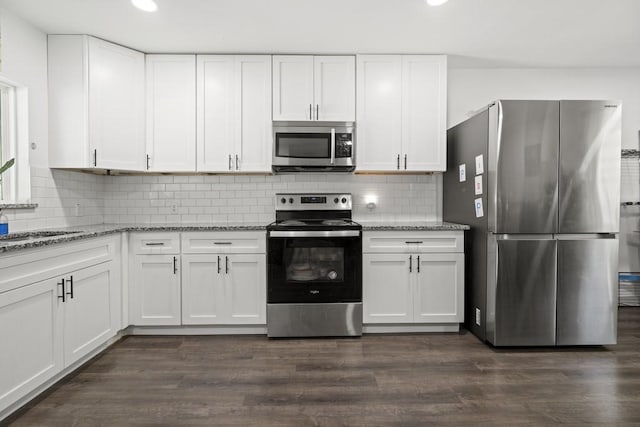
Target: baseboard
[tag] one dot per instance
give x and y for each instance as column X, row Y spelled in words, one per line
column 410, row 328
column 197, row 330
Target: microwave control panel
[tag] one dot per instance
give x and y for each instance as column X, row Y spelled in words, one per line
column 344, row 145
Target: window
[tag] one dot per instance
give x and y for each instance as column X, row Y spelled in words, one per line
column 15, row 185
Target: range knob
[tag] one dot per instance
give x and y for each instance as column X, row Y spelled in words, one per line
column 336, row 200
column 283, row 200
column 290, row 199
column 344, row 200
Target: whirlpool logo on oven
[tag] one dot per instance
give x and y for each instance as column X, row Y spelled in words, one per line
column 314, row 292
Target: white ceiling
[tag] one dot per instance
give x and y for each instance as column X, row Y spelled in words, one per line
column 505, row 33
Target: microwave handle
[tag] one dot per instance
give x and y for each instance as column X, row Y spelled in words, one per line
column 333, row 145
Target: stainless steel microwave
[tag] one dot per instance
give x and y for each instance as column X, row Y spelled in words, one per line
column 313, row 147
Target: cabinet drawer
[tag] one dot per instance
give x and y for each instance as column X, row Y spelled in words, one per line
column 246, row 242
column 32, row 265
column 412, row 241
column 155, row 243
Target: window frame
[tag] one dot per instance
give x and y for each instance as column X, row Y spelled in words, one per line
column 14, row 143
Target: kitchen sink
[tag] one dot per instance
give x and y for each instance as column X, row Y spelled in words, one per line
column 34, row 235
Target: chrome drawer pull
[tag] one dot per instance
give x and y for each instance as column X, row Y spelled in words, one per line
column 154, row 244
column 416, row 242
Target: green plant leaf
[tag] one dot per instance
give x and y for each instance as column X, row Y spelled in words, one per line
column 7, row 166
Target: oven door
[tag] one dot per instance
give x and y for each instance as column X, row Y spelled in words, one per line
column 314, row 266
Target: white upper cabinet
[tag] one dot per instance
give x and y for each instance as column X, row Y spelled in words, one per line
column 96, row 104
column 402, row 112
column 234, row 113
column 171, row 113
column 314, row 88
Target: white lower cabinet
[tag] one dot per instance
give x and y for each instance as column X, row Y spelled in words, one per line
column 47, row 325
column 412, row 282
column 223, row 289
column 155, row 296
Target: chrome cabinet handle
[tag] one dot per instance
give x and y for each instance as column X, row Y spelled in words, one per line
column 218, row 264
column 237, row 163
column 61, row 295
column 148, row 158
column 398, row 162
column 222, row 243
column 226, row 264
column 70, row 287
column 405, row 162
column 413, row 241
column 410, row 263
column 175, row 265
column 95, row 157
column 418, row 264
column 154, row 244
column 317, row 111
column 230, row 162
column 310, row 116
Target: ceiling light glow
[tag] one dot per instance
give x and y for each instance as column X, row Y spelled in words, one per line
column 146, row 5
column 436, row 2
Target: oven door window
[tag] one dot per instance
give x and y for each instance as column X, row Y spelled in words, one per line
column 309, row 264
column 303, row 145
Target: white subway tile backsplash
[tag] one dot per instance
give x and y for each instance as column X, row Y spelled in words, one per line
column 161, row 199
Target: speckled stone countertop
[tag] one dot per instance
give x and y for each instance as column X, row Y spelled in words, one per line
column 412, row 226
column 37, row 238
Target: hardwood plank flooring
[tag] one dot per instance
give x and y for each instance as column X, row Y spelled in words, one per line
column 374, row 380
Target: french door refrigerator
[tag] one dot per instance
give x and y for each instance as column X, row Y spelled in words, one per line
column 538, row 182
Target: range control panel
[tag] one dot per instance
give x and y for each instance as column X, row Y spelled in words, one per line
column 311, row 202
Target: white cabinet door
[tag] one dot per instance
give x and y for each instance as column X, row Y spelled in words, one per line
column 293, row 88
column 171, row 113
column 424, row 106
column 439, row 290
column 246, row 288
column 379, row 108
column 216, row 111
column 203, row 293
column 254, row 138
column 155, row 290
column 334, row 88
column 116, row 106
column 91, row 310
column 387, row 294
column 30, row 337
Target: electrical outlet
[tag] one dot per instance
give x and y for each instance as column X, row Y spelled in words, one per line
column 78, row 211
column 477, row 316
column 174, row 208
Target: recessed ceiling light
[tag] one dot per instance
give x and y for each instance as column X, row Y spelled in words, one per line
column 146, row 5
column 436, row 2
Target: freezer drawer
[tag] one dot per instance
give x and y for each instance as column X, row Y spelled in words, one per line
column 524, row 294
column 587, row 291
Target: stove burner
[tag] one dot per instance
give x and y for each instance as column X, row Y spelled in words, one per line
column 334, row 222
column 291, row 222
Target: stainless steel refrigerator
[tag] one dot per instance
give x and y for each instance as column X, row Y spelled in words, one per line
column 539, row 184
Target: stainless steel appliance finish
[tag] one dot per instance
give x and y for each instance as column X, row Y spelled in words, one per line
column 589, row 175
column 313, row 147
column 314, row 320
column 314, row 268
column 542, row 257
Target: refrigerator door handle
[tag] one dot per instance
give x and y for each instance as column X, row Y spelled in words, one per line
column 585, row 236
column 524, row 236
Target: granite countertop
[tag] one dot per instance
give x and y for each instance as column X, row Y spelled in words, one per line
column 38, row 238
column 412, row 226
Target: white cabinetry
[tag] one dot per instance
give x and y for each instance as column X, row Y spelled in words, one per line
column 155, row 282
column 96, row 104
column 314, row 88
column 171, row 113
column 223, row 278
column 57, row 305
column 413, row 277
column 234, row 113
column 402, row 112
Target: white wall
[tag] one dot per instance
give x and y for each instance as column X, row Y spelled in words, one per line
column 24, row 61
column 472, row 88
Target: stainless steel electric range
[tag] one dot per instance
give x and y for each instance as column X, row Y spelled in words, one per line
column 314, row 277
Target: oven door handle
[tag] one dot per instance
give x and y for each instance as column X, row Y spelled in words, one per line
column 316, row 233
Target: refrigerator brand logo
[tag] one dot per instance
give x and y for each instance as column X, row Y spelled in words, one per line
column 610, row 106
column 314, row 292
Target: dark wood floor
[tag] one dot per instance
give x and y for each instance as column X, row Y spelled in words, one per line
column 374, row 380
